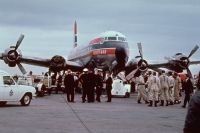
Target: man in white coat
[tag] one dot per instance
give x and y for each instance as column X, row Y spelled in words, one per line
column 171, row 88
column 154, row 85
column 164, row 84
column 141, row 89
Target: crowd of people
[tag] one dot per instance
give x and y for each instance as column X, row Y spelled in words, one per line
column 163, row 87
column 91, row 82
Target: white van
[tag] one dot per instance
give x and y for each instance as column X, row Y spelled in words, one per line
column 10, row 91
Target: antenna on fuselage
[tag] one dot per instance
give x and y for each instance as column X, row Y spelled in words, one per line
column 75, row 34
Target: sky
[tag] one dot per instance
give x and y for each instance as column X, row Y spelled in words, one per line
column 164, row 27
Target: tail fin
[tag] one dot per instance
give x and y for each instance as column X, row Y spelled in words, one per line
column 75, row 34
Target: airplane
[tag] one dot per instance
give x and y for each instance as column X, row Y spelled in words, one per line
column 108, row 51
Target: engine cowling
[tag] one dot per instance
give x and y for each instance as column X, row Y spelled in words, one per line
column 12, row 56
column 142, row 65
column 57, row 63
column 184, row 62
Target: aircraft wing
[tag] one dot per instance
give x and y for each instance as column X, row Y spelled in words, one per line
column 35, row 61
column 56, row 63
column 157, row 66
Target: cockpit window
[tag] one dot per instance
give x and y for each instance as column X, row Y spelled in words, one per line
column 112, row 38
column 121, row 39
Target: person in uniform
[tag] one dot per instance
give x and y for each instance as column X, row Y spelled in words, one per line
column 99, row 85
column 141, row 89
column 177, row 88
column 109, row 87
column 84, row 81
column 91, row 86
column 69, row 83
column 171, row 88
column 164, row 88
column 154, row 85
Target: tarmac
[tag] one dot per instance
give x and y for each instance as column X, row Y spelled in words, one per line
column 52, row 114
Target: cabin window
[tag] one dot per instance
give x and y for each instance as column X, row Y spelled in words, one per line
column 112, row 38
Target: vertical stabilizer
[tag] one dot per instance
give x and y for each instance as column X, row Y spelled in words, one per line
column 75, row 34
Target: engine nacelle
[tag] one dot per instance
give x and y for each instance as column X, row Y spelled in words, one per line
column 142, row 65
column 12, row 56
column 181, row 61
column 57, row 63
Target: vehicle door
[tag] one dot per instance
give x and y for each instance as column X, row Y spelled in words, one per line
column 10, row 90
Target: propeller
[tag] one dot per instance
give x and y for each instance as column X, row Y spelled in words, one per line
column 193, row 51
column 12, row 56
column 20, row 66
column 142, row 64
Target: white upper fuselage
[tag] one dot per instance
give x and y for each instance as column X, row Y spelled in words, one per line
column 101, row 50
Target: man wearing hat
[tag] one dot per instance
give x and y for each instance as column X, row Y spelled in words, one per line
column 69, row 85
column 84, row 79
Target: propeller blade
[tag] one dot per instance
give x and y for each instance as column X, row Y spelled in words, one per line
column 189, row 73
column 1, row 55
column 22, row 69
column 19, row 41
column 140, row 49
column 193, row 51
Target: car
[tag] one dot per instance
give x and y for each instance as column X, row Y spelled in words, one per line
column 119, row 89
column 10, row 91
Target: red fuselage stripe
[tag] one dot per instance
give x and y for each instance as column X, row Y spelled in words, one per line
column 103, row 51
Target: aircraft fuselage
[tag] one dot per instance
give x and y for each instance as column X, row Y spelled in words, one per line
column 101, row 51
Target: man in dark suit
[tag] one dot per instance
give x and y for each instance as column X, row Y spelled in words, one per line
column 69, row 86
column 188, row 87
column 99, row 85
column 109, row 87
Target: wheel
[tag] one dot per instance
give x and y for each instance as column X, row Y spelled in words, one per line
column 25, row 101
column 2, row 103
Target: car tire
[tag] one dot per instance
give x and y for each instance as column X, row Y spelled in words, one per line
column 26, row 100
